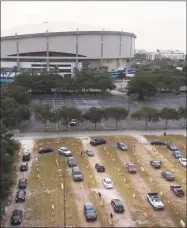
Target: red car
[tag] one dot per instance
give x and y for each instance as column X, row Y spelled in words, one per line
column 177, row 190
column 131, row 168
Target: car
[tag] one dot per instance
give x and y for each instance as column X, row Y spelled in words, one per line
column 90, row 212
column 22, row 184
column 76, row 174
column 45, row 150
column 71, row 162
column 154, row 199
column 24, row 166
column 107, row 183
column 168, row 176
column 117, row 205
column 99, row 167
column 90, row 153
column 177, row 190
column 16, row 218
column 131, row 168
column 26, row 156
column 64, row 151
column 73, row 123
column 183, row 161
column 157, row 142
column 20, row 196
column 156, row 164
column 122, row 146
column 96, row 142
column 177, row 154
column 171, row 146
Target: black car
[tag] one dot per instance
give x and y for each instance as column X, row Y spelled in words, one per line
column 168, row 176
column 96, row 142
column 158, row 142
column 171, row 146
column 22, row 184
column 45, row 150
column 90, row 212
column 117, row 205
column 71, row 162
column 156, row 164
column 20, row 196
column 16, row 217
column 99, row 167
column 24, row 166
column 26, row 156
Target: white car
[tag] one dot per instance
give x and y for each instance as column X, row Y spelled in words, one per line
column 73, row 122
column 107, row 183
column 183, row 161
column 64, row 151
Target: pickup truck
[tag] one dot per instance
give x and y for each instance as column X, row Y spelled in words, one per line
column 154, row 199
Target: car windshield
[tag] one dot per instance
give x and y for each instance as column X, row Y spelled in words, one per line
column 131, row 166
column 156, row 162
column 156, row 200
column 77, row 173
column 183, row 159
column 71, row 159
column 169, row 174
column 64, row 149
column 22, row 181
column 177, row 153
column 109, row 182
column 90, row 211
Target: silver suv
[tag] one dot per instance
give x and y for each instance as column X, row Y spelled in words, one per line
column 76, row 173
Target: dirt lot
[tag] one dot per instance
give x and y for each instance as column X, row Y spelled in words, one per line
column 141, row 184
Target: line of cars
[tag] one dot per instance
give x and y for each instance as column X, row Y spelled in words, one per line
column 17, row 215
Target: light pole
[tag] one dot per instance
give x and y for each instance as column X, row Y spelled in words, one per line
column 64, row 194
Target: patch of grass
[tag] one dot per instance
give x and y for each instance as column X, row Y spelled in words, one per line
column 40, row 202
column 137, row 206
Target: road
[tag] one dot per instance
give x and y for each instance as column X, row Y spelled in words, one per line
column 36, row 135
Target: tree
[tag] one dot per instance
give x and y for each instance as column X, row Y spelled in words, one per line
column 168, row 114
column 43, row 113
column 116, row 113
column 182, row 112
column 147, row 115
column 94, row 115
column 121, row 76
column 143, row 84
column 56, row 117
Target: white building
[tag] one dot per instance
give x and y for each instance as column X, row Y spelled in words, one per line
column 173, row 55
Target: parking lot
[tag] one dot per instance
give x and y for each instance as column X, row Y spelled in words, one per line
column 47, row 175
column 83, row 103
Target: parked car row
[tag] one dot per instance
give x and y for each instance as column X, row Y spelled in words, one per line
column 17, row 215
column 175, row 152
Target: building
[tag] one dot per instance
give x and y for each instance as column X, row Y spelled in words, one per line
column 67, row 50
column 173, row 55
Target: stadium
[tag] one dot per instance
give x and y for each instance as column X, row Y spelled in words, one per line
column 66, row 50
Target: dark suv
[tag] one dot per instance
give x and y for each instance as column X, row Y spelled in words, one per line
column 171, row 146
column 71, row 162
column 16, row 217
column 117, row 205
column 90, row 212
column 158, row 142
column 22, row 184
column 96, row 142
column 26, row 156
column 24, row 166
column 76, row 173
column 99, row 167
column 45, row 150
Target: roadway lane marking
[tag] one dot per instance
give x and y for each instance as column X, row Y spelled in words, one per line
column 103, row 125
column 117, row 102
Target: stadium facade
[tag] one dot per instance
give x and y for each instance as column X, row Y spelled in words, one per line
column 67, row 50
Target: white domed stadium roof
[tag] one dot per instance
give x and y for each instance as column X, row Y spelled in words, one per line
column 51, row 27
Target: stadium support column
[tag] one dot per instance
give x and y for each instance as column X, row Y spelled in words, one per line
column 17, row 52
column 47, row 49
column 101, row 62
column 77, row 48
column 119, row 58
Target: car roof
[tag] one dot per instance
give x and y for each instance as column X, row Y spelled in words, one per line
column 76, row 168
column 24, row 163
column 17, row 211
column 168, row 173
column 63, row 148
column 156, row 161
column 131, row 164
column 23, row 179
column 26, row 153
column 21, row 192
column 117, row 200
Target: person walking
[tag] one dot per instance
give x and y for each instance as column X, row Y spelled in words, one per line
column 99, row 195
column 111, row 215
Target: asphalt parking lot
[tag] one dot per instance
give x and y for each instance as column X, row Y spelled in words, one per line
column 83, row 103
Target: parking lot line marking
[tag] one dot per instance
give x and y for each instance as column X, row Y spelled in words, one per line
column 117, row 102
column 103, row 125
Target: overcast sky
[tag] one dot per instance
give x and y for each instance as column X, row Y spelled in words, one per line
column 159, row 25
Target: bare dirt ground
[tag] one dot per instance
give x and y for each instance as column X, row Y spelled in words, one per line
column 145, row 155
column 119, row 220
column 26, row 145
